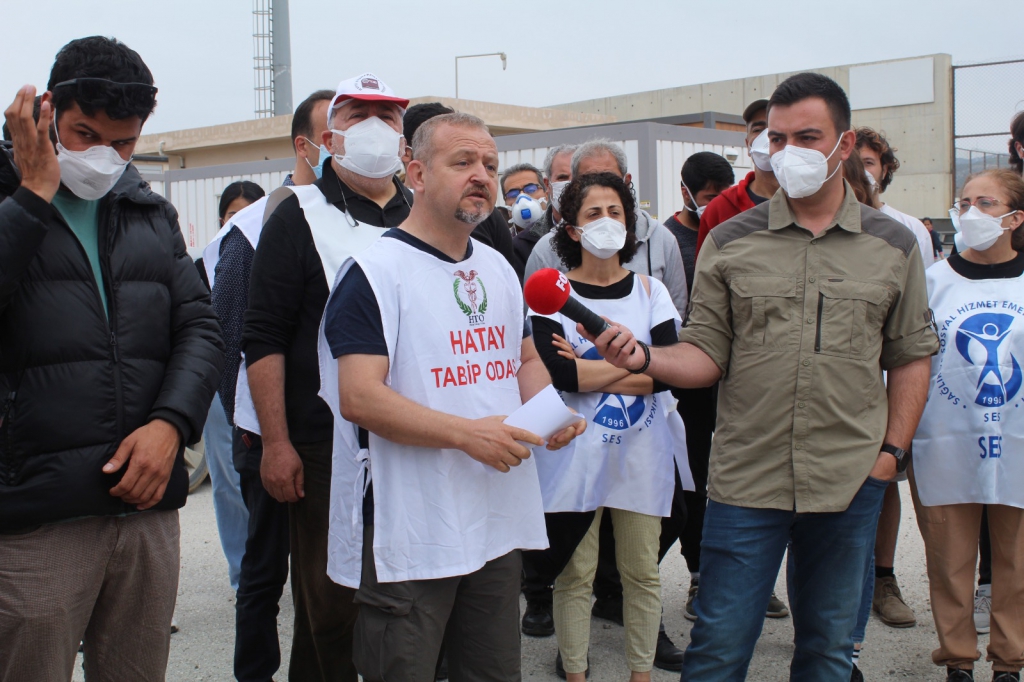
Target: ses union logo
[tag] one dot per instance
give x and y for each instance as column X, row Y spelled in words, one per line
column 613, row 411
column 979, row 340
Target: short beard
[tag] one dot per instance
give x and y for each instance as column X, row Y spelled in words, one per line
column 464, row 216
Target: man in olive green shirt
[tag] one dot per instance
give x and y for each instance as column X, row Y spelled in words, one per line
column 798, row 306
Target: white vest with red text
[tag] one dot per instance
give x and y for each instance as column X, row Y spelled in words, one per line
column 336, row 236
column 969, row 446
column 454, row 336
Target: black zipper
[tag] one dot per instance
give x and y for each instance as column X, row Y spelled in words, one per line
column 817, row 334
column 106, row 237
column 5, row 435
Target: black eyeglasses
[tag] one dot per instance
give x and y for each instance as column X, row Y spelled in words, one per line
column 529, row 189
column 95, row 88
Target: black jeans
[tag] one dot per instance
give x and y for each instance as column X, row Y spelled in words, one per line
column 325, row 614
column 699, row 410
column 264, row 568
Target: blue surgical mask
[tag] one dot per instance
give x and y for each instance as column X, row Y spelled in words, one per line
column 318, row 169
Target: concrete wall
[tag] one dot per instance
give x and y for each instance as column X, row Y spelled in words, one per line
column 921, row 132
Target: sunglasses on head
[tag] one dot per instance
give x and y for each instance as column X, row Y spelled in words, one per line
column 96, row 88
column 529, row 189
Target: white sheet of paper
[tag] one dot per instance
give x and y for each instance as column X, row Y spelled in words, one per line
column 544, row 414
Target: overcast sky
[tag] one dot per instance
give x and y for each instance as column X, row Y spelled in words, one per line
column 201, row 51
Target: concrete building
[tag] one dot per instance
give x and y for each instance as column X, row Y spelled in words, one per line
column 909, row 100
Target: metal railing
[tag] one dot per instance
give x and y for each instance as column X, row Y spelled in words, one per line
column 985, row 98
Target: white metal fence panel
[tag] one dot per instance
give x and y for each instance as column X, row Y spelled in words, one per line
column 197, row 197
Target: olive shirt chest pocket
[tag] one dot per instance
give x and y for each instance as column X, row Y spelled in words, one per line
column 764, row 311
column 850, row 316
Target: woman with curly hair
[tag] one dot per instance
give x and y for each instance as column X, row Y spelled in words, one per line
column 623, row 465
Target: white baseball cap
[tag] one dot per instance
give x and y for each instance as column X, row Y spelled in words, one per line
column 365, row 87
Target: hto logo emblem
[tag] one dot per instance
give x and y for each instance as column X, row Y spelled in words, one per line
column 475, row 304
column 613, row 411
column 980, row 341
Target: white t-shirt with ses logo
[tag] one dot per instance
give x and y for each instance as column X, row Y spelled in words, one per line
column 624, row 460
column 969, row 446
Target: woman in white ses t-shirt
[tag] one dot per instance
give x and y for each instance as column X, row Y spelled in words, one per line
column 969, row 446
column 623, row 464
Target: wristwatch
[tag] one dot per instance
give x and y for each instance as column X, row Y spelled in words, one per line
column 901, row 455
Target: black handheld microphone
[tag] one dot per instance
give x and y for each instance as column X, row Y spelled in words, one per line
column 547, row 292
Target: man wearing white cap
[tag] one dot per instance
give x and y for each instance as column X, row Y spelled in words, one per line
column 311, row 231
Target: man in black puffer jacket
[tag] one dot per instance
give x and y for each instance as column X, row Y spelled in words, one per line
column 109, row 358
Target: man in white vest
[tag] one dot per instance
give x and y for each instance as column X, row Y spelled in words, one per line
column 309, row 234
column 428, row 330
column 228, row 261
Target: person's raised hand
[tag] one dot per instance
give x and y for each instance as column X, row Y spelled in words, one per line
column 281, row 471
column 492, row 442
column 33, row 152
column 150, row 451
column 616, row 345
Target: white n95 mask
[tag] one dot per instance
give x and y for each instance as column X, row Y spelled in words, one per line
column 603, row 238
column 759, row 153
column 373, row 149
column 800, row 171
column 556, row 193
column 977, row 230
column 89, row 174
column 526, row 211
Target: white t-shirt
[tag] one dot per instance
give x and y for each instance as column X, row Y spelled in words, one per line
column 969, row 446
column 924, row 238
column 624, row 460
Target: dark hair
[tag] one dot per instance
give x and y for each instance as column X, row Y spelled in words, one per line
column 876, row 142
column 108, row 59
column 418, row 114
column 302, row 121
column 569, row 251
column 854, row 173
column 1017, row 135
column 244, row 189
column 705, row 169
column 802, row 86
column 519, row 168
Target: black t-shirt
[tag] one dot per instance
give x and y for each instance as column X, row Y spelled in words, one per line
column 287, row 294
column 756, row 198
column 494, row 232
column 687, row 239
column 1009, row 270
column 563, row 370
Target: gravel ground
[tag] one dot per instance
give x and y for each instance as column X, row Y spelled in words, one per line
column 202, row 650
